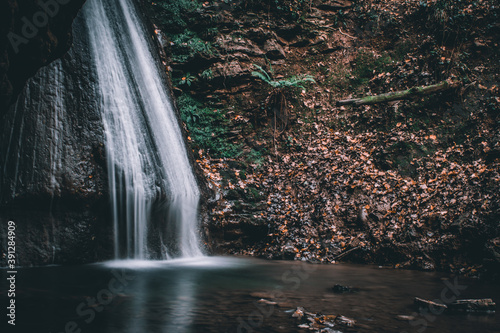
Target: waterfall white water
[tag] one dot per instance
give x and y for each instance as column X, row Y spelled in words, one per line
column 143, row 137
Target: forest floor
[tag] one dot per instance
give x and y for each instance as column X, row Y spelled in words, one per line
column 412, row 184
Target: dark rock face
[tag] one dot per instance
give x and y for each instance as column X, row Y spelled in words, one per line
column 54, row 178
column 32, row 34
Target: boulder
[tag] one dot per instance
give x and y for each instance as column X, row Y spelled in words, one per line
column 274, row 50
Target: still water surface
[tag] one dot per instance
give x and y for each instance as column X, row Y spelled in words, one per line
column 220, row 294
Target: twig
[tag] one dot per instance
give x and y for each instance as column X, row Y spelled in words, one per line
column 347, row 34
column 346, row 252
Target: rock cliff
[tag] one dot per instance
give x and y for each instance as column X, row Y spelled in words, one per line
column 32, row 34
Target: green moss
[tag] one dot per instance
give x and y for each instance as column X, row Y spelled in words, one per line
column 368, row 65
column 187, row 44
column 256, row 156
column 173, row 15
column 207, row 127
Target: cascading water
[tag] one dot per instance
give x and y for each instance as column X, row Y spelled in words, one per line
column 143, row 137
column 108, row 91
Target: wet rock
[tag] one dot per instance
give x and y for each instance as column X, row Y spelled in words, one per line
column 485, row 305
column 289, row 251
column 299, row 313
column 54, row 183
column 344, row 321
column 340, row 289
column 21, row 57
column 421, row 263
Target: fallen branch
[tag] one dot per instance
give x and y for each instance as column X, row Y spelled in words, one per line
column 343, row 254
column 347, row 34
column 398, row 95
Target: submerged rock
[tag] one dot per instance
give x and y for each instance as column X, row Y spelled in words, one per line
column 340, row 289
column 485, row 305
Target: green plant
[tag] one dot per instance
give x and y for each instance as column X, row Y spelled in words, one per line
column 208, row 128
column 367, row 65
column 207, row 74
column 188, row 79
column 294, row 81
column 256, row 156
column 277, row 100
column 187, row 44
column 212, row 31
column 173, row 15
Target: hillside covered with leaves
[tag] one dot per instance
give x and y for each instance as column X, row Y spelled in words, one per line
column 410, row 183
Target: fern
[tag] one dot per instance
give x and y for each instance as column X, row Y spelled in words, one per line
column 277, row 101
column 262, row 75
column 296, row 81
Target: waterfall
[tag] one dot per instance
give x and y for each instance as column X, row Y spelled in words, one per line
column 146, row 153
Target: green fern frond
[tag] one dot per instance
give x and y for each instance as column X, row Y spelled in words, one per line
column 262, row 74
column 296, row 81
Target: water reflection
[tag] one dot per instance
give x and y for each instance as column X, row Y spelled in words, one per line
column 217, row 294
column 163, row 294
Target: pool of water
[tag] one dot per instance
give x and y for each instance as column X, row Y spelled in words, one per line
column 221, row 294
